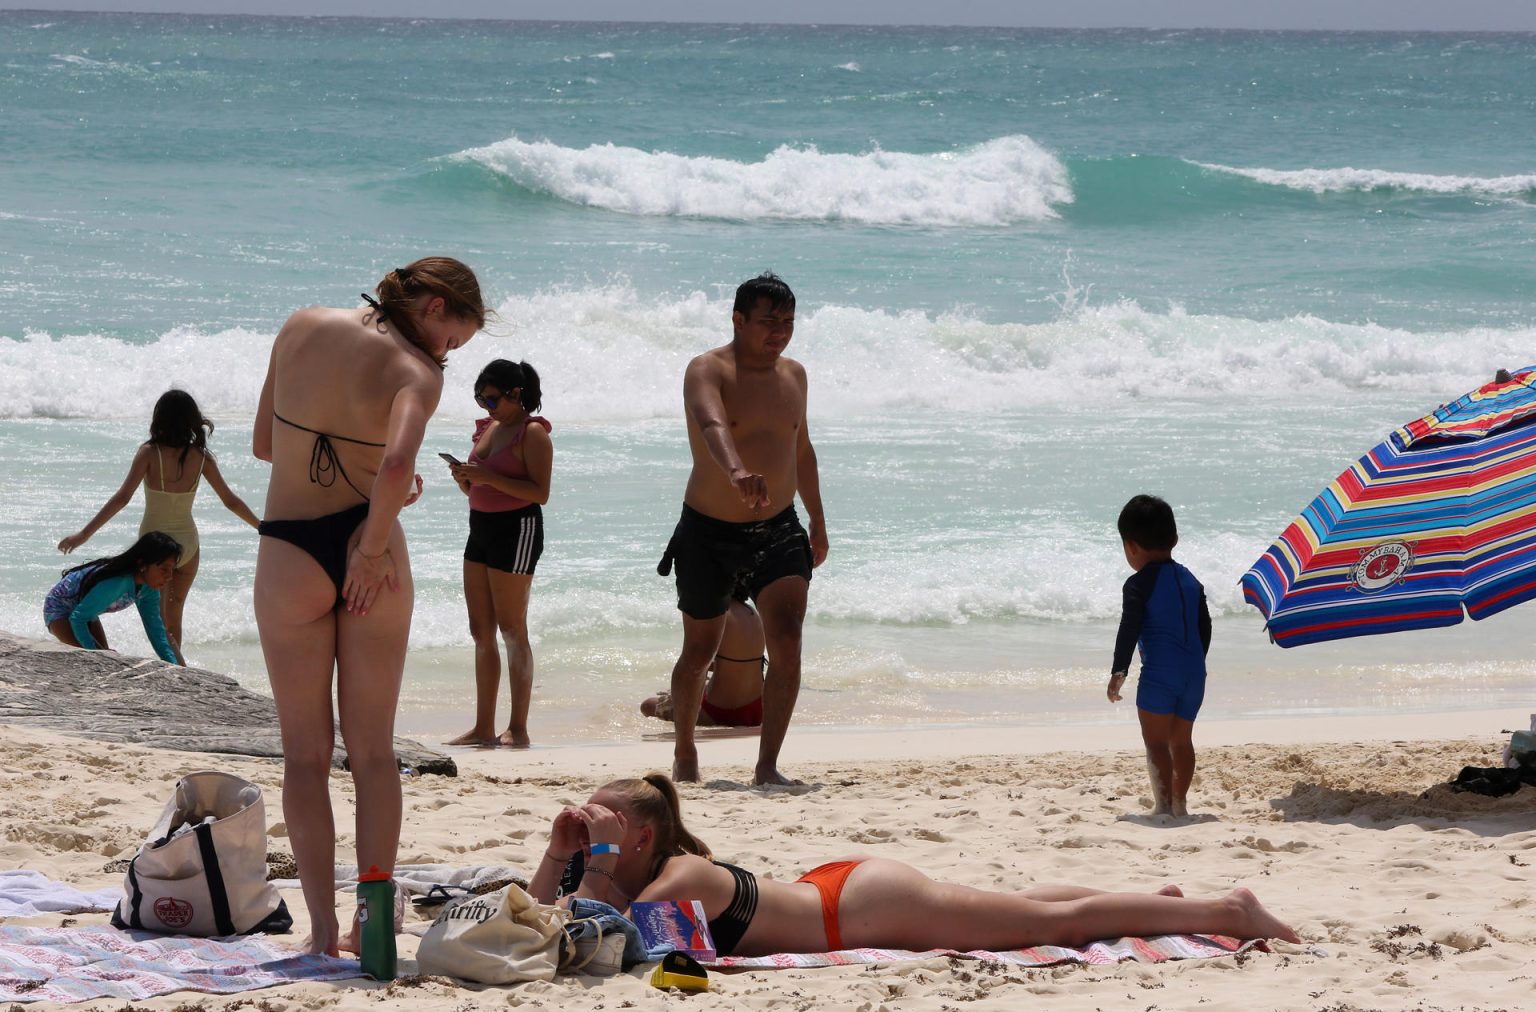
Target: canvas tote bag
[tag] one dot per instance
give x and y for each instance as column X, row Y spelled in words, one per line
column 209, row 880
column 500, row 938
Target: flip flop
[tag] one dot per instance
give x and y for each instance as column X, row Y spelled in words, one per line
column 438, row 895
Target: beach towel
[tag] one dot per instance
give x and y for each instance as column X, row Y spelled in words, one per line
column 29, row 893
column 1156, row 949
column 79, row 964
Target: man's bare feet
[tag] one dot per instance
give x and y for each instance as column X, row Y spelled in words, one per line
column 769, row 776
column 1258, row 922
column 515, row 739
column 1170, row 890
column 474, row 736
column 685, row 768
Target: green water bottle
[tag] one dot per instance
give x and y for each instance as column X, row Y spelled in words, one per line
column 376, row 923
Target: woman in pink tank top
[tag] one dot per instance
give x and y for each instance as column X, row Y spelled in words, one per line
column 507, row 481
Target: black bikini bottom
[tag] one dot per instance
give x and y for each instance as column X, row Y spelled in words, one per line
column 324, row 538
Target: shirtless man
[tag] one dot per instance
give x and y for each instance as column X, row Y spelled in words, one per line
column 752, row 452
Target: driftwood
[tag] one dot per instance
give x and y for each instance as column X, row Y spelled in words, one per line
column 104, row 695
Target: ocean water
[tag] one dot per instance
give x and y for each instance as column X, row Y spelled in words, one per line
column 1038, row 272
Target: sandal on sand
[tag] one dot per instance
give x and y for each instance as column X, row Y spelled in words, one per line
column 438, row 895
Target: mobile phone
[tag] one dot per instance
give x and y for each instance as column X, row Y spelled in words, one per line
column 450, row 458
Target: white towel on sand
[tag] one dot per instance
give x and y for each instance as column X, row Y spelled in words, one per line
column 418, row 879
column 29, row 893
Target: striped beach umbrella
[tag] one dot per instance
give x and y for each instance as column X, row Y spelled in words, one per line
column 1436, row 521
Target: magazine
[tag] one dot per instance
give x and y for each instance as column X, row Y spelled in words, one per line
column 673, row 926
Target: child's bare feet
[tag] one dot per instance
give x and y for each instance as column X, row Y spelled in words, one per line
column 515, row 739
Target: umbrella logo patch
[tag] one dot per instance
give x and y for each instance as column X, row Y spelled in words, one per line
column 1383, row 566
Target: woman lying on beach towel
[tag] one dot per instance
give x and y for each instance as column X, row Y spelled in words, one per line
column 628, row 843
column 74, row 606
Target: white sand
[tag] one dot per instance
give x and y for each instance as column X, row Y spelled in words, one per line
column 1403, row 900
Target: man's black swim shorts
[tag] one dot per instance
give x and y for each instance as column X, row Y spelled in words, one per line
column 712, row 556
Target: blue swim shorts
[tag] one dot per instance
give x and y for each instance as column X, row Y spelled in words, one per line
column 1175, row 694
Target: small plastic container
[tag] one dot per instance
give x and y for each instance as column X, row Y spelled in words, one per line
column 376, row 923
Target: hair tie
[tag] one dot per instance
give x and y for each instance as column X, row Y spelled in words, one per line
column 403, row 273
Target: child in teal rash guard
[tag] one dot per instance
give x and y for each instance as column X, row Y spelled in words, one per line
column 1166, row 616
column 74, row 606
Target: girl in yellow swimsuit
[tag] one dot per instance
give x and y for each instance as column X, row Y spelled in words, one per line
column 170, row 465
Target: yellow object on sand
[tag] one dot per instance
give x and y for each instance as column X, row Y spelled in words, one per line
column 680, row 971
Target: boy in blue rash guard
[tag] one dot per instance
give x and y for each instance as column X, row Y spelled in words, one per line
column 74, row 606
column 1166, row 615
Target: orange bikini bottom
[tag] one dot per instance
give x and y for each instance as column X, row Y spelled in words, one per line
column 828, row 880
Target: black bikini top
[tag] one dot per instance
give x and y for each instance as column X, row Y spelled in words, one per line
column 727, row 929
column 324, row 464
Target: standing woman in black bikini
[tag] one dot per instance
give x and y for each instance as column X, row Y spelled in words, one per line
column 628, row 843
column 342, row 414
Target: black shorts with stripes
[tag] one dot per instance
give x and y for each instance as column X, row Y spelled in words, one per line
column 510, row 541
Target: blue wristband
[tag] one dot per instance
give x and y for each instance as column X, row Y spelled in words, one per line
column 599, row 849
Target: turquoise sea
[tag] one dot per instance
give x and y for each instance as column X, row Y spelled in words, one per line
column 1038, row 272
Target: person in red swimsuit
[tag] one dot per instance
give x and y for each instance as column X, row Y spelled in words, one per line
column 628, row 842
column 507, row 480
column 733, row 696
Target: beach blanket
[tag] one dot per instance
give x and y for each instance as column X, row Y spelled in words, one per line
column 1157, row 949
column 29, row 893
column 78, row 964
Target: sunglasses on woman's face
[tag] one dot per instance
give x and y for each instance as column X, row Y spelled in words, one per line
column 489, row 401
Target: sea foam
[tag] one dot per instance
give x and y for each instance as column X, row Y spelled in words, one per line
column 1368, row 180
column 589, row 344
column 1001, row 182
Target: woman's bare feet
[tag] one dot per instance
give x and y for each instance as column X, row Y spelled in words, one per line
column 324, row 943
column 1258, row 922
column 475, row 736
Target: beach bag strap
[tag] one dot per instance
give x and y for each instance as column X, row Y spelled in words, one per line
column 217, row 895
column 135, row 900
column 585, row 951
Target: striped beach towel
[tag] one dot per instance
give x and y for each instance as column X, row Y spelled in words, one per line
column 69, row 965
column 1156, row 949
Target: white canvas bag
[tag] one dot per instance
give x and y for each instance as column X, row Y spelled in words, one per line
column 500, row 938
column 211, row 879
